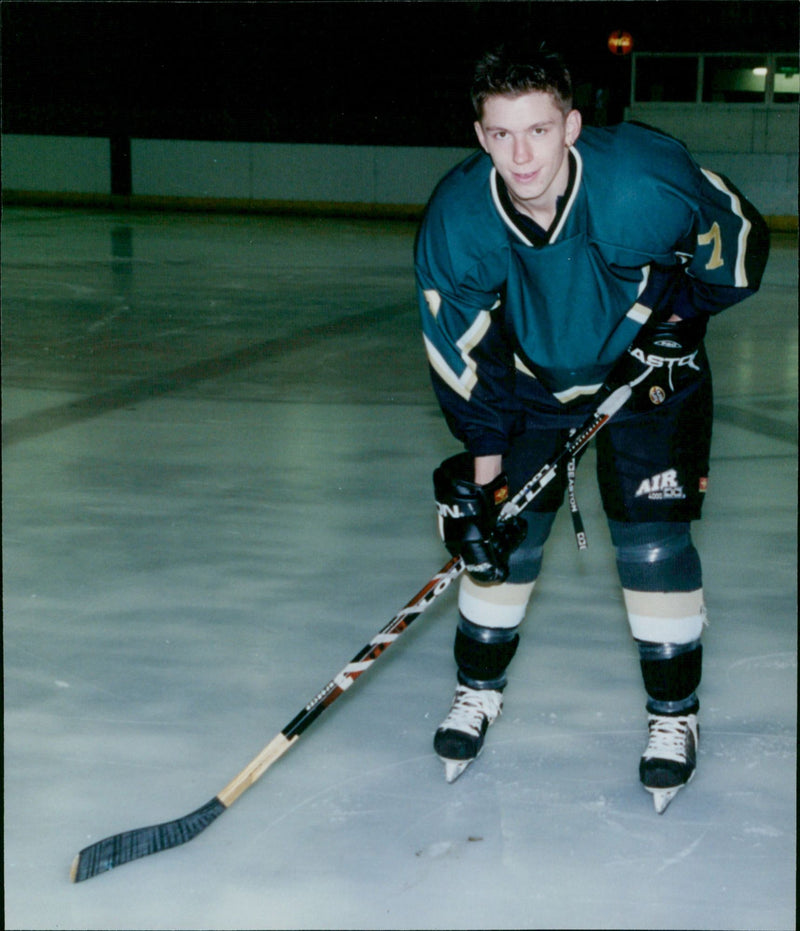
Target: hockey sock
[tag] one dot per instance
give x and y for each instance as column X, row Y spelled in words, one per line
column 495, row 606
column 656, row 557
column 662, row 581
column 525, row 563
column 661, row 577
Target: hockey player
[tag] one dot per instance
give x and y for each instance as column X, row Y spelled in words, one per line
column 540, row 260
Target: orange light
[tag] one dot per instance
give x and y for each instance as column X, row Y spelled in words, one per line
column 620, row 43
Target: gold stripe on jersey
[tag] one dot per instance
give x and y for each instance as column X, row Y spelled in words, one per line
column 463, row 384
column 569, row 394
column 434, row 301
column 498, row 203
column 639, row 313
column 576, row 185
column 520, row 366
column 740, row 275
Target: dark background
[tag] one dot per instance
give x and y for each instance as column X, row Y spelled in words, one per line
column 386, row 73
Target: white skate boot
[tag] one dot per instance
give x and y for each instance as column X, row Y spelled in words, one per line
column 459, row 738
column 669, row 761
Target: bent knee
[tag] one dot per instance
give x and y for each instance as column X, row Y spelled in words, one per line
column 656, row 557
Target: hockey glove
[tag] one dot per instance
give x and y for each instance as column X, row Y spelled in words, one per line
column 662, row 359
column 468, row 519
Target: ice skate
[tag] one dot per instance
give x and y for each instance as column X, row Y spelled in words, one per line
column 459, row 738
column 669, row 761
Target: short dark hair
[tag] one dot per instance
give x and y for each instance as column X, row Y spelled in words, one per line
column 512, row 70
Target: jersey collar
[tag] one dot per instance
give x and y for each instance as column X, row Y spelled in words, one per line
column 524, row 228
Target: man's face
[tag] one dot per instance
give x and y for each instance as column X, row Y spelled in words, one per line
column 527, row 138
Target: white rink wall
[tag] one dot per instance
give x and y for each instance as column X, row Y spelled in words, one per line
column 280, row 171
column 238, row 174
column 58, row 164
column 380, row 180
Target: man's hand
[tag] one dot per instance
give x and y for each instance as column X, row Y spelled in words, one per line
column 468, row 514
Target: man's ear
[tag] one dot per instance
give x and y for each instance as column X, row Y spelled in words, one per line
column 480, row 134
column 574, row 125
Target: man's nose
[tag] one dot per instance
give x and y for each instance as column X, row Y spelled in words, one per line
column 522, row 151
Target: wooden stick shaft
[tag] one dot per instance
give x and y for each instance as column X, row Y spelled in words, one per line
column 273, row 751
column 339, row 684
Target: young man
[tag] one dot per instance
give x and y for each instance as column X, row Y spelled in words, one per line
column 539, row 262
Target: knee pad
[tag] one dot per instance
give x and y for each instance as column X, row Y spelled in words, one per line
column 525, row 562
column 671, row 674
column 482, row 654
column 656, row 557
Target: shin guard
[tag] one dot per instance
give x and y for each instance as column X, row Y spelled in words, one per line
column 482, row 654
column 671, row 674
column 661, row 577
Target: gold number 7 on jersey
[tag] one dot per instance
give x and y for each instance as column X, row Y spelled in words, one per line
column 713, row 238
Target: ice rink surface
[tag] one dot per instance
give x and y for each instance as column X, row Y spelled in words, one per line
column 218, row 443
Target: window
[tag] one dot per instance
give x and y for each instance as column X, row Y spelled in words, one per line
column 735, row 79
column 787, row 79
column 666, row 78
column 728, row 78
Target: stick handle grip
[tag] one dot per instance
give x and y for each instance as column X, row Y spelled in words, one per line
column 273, row 751
column 615, row 401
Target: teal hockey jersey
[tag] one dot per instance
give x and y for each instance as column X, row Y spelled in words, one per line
column 640, row 230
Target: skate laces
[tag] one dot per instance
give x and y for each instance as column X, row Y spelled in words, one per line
column 470, row 707
column 667, row 738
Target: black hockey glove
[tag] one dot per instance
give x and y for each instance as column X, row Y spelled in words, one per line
column 468, row 519
column 662, row 359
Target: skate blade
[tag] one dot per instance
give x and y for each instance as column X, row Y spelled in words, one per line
column 662, row 797
column 454, row 768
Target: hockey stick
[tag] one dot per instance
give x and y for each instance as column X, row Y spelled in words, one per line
column 131, row 845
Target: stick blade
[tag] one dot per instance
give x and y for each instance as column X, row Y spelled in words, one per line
column 131, row 845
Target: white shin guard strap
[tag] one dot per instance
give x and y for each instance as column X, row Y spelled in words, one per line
column 666, row 617
column 497, row 606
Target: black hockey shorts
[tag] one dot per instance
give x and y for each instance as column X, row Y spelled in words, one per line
column 652, row 459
